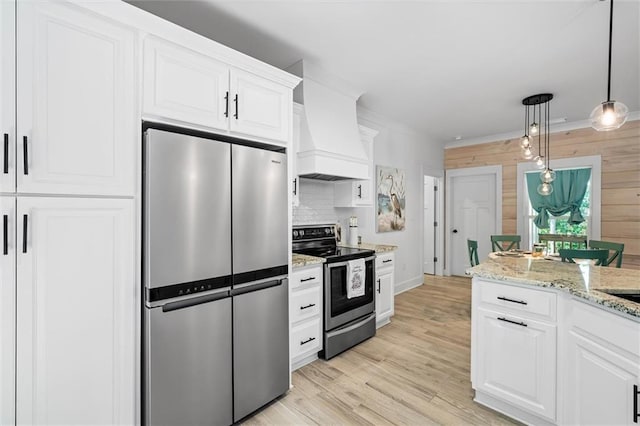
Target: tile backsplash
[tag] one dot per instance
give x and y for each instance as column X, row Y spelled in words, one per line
column 316, row 203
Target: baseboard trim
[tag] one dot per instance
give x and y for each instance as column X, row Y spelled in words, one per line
column 408, row 284
column 509, row 410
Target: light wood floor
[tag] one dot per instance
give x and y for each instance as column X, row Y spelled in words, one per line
column 414, row 371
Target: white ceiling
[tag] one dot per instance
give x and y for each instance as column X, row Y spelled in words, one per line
column 446, row 68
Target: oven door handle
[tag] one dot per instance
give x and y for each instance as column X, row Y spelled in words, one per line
column 338, row 264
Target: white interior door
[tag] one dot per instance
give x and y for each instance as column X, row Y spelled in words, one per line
column 473, row 215
column 429, row 225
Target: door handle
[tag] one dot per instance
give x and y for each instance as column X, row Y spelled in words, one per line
column 521, row 302
column 237, row 103
column 522, row 324
column 359, row 191
column 455, row 231
column 310, row 305
column 25, row 155
column 307, row 279
column 304, row 342
column 295, row 186
column 24, row 233
column 636, row 394
column 5, row 232
column 226, row 104
column 6, row 153
column 378, row 285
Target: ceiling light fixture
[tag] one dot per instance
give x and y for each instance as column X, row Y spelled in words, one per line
column 542, row 160
column 609, row 115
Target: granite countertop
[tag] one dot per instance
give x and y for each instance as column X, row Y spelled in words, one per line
column 378, row 248
column 300, row 260
column 582, row 280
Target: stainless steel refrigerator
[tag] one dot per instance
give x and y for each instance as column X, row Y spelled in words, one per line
column 216, row 332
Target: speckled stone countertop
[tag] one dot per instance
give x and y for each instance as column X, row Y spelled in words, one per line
column 378, row 248
column 300, row 260
column 582, row 280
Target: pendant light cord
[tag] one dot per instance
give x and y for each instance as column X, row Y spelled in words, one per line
column 610, row 37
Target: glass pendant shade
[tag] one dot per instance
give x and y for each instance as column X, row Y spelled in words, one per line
column 547, row 175
column 525, row 141
column 533, row 129
column 545, row 188
column 609, row 115
column 539, row 160
column 526, row 153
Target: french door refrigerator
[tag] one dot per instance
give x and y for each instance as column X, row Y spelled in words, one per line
column 216, row 345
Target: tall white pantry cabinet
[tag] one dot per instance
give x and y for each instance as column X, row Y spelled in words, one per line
column 68, row 297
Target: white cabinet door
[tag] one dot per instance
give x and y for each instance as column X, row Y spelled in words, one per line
column 259, row 107
column 600, row 384
column 384, row 296
column 293, row 156
column 7, row 309
column 7, row 96
column 516, row 361
column 77, row 307
column 185, row 85
column 76, row 104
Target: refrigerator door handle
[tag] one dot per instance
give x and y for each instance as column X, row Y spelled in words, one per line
column 256, row 287
column 173, row 306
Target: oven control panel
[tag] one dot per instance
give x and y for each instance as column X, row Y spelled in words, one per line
column 313, row 232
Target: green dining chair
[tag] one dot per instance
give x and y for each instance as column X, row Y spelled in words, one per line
column 472, row 246
column 569, row 255
column 499, row 242
column 614, row 251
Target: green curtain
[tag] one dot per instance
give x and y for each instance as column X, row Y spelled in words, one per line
column 569, row 189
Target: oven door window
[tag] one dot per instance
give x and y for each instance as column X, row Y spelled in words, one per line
column 338, row 279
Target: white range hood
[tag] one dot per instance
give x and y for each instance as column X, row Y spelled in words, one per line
column 330, row 145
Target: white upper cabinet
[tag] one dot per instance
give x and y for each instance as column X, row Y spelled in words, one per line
column 184, row 85
column 76, row 103
column 260, row 107
column 76, row 311
column 194, row 88
column 7, row 96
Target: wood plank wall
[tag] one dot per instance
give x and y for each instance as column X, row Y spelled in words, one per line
column 620, row 152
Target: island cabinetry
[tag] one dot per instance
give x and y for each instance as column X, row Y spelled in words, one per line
column 305, row 315
column 384, row 287
column 196, row 88
column 602, row 374
column 514, row 348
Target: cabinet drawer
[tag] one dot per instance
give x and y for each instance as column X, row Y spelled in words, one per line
column 384, row 260
column 306, row 338
column 523, row 301
column 305, row 304
column 306, row 276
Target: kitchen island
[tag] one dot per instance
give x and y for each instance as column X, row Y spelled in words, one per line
column 550, row 344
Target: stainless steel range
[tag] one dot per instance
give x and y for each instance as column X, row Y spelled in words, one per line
column 347, row 321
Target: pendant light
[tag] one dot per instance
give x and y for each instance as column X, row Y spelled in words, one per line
column 609, row 115
column 547, row 175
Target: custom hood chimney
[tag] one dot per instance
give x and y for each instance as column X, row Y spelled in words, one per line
column 330, row 145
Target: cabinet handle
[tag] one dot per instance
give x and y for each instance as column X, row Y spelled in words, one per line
column 521, row 302
column 359, row 191
column 310, row 339
column 310, row 305
column 5, row 230
column 512, row 322
column 25, row 155
column 307, row 279
column 295, row 186
column 636, row 393
column 237, row 103
column 378, row 285
column 387, row 261
column 24, row 233
column 226, row 105
column 6, row 153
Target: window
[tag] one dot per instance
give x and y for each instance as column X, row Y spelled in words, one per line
column 560, row 225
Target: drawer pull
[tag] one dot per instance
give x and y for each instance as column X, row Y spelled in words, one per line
column 520, row 302
column 512, row 322
column 636, row 394
column 310, row 305
column 310, row 339
column 307, row 279
column 387, row 261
